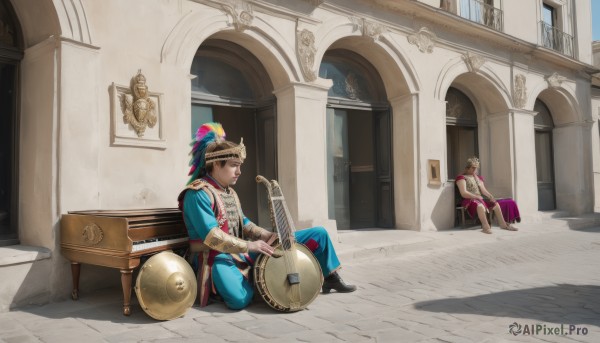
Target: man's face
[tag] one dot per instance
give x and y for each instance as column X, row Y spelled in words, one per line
column 228, row 174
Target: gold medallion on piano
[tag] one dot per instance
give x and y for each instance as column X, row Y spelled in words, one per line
column 166, row 286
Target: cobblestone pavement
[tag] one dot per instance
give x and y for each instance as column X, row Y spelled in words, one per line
column 539, row 283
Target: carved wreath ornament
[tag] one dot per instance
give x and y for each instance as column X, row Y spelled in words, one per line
column 92, row 234
column 138, row 109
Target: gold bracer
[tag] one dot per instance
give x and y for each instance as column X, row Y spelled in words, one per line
column 221, row 241
column 239, row 152
column 254, row 232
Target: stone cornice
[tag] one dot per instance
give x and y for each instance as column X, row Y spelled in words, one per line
column 437, row 17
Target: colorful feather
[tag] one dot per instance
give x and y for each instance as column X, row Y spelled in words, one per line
column 207, row 133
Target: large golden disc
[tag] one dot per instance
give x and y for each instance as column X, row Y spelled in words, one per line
column 166, row 286
column 271, row 279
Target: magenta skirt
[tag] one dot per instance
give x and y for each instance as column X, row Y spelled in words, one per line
column 510, row 210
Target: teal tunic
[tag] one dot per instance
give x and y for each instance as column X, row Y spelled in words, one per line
column 229, row 282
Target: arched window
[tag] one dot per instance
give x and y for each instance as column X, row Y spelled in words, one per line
column 544, row 156
column 461, row 131
column 352, row 81
column 232, row 87
column 11, row 53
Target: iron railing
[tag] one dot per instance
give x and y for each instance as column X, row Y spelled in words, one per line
column 482, row 13
column 555, row 39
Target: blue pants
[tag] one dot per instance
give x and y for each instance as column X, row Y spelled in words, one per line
column 237, row 291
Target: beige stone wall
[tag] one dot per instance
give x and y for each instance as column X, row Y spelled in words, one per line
column 81, row 51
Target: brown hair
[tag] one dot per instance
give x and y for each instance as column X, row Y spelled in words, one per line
column 223, row 145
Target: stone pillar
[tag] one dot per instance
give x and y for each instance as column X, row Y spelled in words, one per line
column 302, row 152
column 573, row 168
column 79, row 127
column 405, row 152
column 37, row 156
column 525, row 175
column 595, row 139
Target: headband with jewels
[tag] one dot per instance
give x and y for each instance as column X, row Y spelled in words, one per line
column 207, row 135
column 237, row 152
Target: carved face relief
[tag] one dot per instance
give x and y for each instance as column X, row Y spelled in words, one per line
column 424, row 40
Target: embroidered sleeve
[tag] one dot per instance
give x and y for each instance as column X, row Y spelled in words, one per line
column 460, row 177
column 198, row 214
column 221, row 241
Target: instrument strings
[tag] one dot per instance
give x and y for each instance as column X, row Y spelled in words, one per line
column 283, row 225
column 286, row 235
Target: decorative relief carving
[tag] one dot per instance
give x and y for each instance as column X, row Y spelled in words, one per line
column 241, row 12
column 368, row 29
column 520, row 92
column 372, row 30
column 555, row 80
column 92, row 234
column 305, row 47
column 136, row 114
column 139, row 110
column 473, row 61
column 424, row 39
column 356, row 23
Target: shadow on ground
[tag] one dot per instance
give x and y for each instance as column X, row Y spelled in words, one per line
column 584, row 229
column 561, row 304
column 106, row 305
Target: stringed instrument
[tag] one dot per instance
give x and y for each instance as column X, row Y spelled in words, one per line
column 291, row 278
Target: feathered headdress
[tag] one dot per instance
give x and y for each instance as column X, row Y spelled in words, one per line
column 207, row 134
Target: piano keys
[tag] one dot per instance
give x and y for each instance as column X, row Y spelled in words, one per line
column 119, row 239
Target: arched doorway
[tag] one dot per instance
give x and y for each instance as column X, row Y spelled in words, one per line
column 544, row 156
column 11, row 52
column 232, row 87
column 461, row 131
column 359, row 155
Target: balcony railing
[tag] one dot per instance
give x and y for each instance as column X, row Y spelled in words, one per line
column 482, row 13
column 555, row 39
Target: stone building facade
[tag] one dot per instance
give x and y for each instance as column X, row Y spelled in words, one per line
column 364, row 110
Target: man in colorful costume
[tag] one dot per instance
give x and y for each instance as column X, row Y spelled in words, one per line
column 223, row 242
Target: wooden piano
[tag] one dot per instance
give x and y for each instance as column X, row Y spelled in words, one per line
column 118, row 239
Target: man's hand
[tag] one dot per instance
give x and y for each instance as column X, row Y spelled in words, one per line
column 269, row 237
column 260, row 246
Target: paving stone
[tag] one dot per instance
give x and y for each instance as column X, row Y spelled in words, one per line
column 231, row 333
column 147, row 333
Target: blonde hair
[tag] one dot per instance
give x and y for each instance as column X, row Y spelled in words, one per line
column 472, row 162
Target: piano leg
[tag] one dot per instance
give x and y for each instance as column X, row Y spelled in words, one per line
column 126, row 275
column 75, row 268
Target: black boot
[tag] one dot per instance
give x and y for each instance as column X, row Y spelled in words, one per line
column 334, row 281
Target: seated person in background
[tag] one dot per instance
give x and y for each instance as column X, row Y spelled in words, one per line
column 471, row 189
